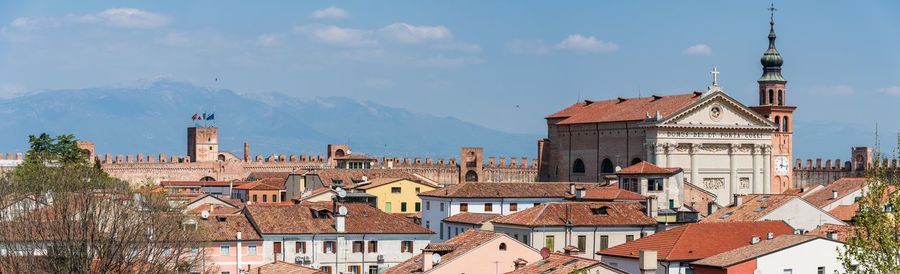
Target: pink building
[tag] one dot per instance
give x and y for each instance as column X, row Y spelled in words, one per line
column 473, row 251
column 232, row 243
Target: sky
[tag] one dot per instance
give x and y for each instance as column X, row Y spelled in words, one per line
column 501, row 64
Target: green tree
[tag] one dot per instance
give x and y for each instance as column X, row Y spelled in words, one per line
column 873, row 245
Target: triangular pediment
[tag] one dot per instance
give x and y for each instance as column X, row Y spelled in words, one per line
column 717, row 109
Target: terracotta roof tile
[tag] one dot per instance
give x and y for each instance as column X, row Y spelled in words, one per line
column 843, row 231
column 843, row 186
column 630, row 109
column 612, row 194
column 749, row 252
column 259, row 175
column 200, row 183
column 471, row 218
column 263, row 184
column 507, row 190
column 280, row 267
column 449, row 249
column 557, row 263
column 373, row 183
column 845, row 212
column 302, row 218
column 350, row 177
column 648, row 168
column 692, row 241
column 580, row 214
column 224, row 227
column 752, row 208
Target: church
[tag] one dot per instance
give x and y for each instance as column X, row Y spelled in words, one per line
column 723, row 146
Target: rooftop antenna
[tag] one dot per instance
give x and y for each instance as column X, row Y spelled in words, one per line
column 639, row 90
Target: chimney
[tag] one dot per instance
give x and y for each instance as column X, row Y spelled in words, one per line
column 754, row 240
column 572, row 188
column 711, row 207
column 246, row 152
column 580, row 192
column 520, row 263
column 738, row 200
column 834, row 194
column 427, row 261
column 652, row 207
column 770, row 236
column 238, row 242
column 648, row 261
column 832, row 235
column 339, row 222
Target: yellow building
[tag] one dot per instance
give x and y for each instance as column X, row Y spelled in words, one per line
column 397, row 195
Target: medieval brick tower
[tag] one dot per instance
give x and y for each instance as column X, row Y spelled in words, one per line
column 773, row 105
column 203, row 144
column 470, row 166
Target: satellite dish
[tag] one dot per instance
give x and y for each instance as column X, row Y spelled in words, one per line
column 204, row 214
column 342, row 210
column 545, row 252
column 436, row 258
column 341, row 193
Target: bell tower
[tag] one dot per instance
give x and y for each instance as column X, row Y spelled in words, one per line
column 773, row 105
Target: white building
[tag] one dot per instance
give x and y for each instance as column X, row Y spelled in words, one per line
column 364, row 240
column 790, row 208
column 787, row 254
column 579, row 228
column 496, row 198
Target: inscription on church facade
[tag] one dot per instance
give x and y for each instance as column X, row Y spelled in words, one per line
column 715, row 135
column 714, row 183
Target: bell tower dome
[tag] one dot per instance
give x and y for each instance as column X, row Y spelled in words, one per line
column 773, row 105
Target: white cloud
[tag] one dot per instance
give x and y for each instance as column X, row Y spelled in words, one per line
column 528, row 47
column 267, row 40
column 378, row 83
column 335, row 35
column 407, row 33
column 441, row 61
column 129, row 18
column 580, row 43
column 11, row 90
column 892, row 90
column 331, row 13
column 698, row 50
column 840, row 90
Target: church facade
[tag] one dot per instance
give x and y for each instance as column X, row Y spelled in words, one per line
column 722, row 145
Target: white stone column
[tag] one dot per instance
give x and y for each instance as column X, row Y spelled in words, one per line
column 695, row 170
column 767, row 168
column 756, row 177
column 732, row 171
column 659, row 151
column 669, row 147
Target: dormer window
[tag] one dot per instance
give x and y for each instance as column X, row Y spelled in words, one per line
column 602, row 211
column 726, row 215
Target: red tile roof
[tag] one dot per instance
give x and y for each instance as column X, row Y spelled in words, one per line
column 302, row 219
column 270, row 174
column 580, row 214
column 263, row 184
column 843, row 186
column 699, row 240
column 471, row 218
column 845, row 212
column 224, row 227
column 507, row 190
column 280, row 267
column 449, row 249
column 843, row 231
column 647, row 168
column 349, row 177
column 558, row 263
column 612, row 194
column 373, row 183
column 749, row 252
column 628, row 109
column 752, row 208
column 199, row 183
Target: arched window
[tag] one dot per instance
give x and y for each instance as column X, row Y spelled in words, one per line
column 771, row 97
column 471, row 176
column 207, row 179
column 221, row 157
column 784, row 124
column 780, row 98
column 607, row 166
column 635, row 160
column 777, row 123
column 502, row 246
column 339, row 153
column 578, row 166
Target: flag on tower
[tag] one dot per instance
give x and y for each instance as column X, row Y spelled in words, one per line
column 204, row 116
column 195, row 117
column 211, row 117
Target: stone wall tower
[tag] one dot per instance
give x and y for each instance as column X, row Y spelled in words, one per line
column 861, row 159
column 471, row 160
column 773, row 105
column 203, row 144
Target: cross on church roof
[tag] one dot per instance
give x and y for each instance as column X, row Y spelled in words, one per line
column 772, row 10
column 715, row 75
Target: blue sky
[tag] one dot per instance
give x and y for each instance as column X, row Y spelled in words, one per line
column 501, row 64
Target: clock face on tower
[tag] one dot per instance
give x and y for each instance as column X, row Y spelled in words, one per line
column 782, row 165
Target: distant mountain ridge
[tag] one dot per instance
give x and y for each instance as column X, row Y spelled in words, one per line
column 151, row 117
